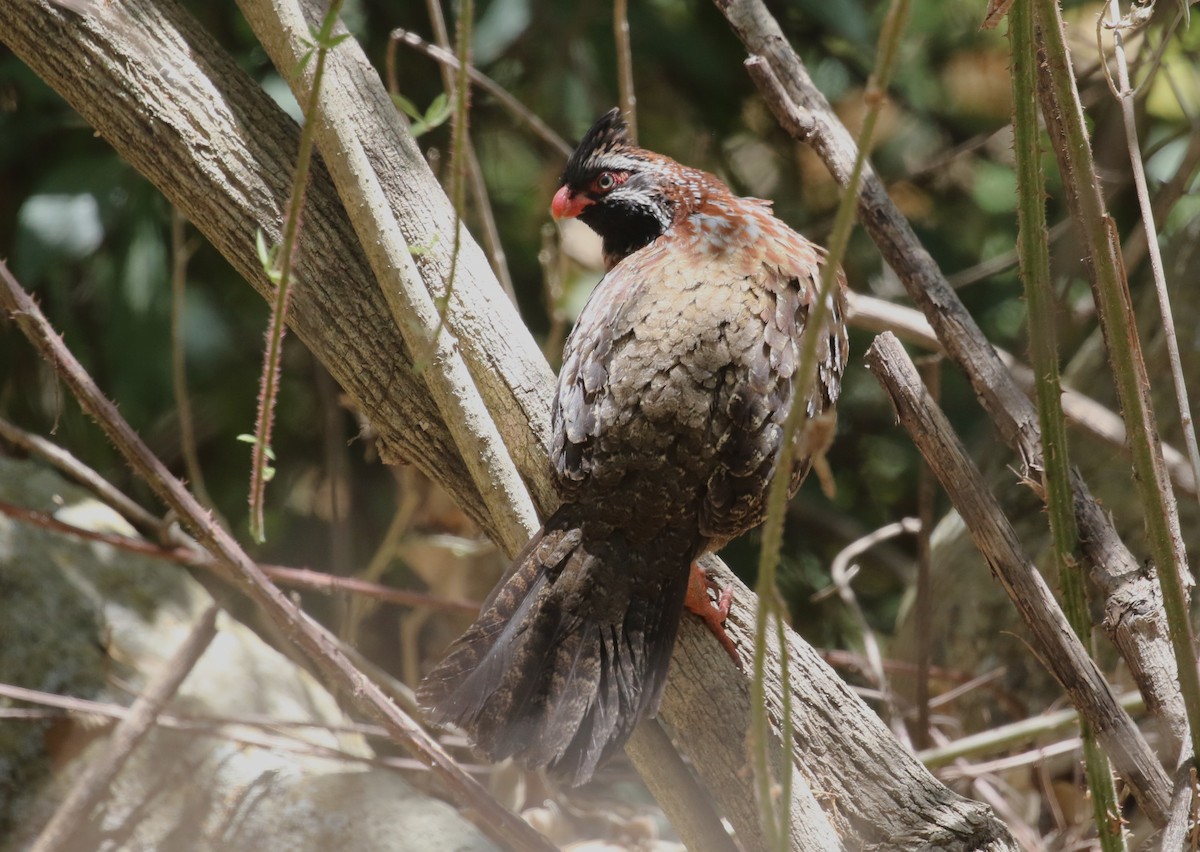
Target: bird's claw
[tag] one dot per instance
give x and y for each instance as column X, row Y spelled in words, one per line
column 712, row 613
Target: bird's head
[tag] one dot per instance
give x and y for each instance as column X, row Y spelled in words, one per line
column 627, row 195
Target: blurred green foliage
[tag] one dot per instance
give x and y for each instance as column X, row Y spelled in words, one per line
column 92, row 240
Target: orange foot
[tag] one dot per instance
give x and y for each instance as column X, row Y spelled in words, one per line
column 713, row 614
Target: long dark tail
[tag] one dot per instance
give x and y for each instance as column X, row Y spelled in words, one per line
column 570, row 651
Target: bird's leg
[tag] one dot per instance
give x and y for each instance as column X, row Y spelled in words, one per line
column 713, row 614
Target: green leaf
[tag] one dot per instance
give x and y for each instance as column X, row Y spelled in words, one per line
column 247, row 438
column 406, row 106
column 267, row 255
column 436, row 115
column 419, row 250
column 264, row 251
column 438, row 111
column 304, row 60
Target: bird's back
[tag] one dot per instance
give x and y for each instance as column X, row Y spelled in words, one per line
column 681, row 371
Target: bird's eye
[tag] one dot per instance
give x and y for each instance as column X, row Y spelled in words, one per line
column 606, row 181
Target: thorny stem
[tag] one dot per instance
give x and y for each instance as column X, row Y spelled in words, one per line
column 776, row 822
column 178, row 550
column 282, row 274
column 1034, row 249
column 1110, row 290
column 1125, row 94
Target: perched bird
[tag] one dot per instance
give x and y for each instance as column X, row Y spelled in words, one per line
column 667, row 429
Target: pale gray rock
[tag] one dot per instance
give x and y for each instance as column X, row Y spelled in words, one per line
column 85, row 619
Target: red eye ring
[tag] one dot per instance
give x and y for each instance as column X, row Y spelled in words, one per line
column 607, row 181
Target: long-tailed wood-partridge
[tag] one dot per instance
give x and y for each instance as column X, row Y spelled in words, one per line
column 667, row 425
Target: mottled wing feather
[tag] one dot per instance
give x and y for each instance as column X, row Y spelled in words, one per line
column 758, row 393
column 583, row 380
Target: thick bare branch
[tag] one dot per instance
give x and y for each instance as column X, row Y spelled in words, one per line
column 282, row 29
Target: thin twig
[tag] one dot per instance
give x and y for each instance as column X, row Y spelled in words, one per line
column 96, row 777
column 1135, row 246
column 550, row 258
column 1035, row 757
column 453, row 81
column 65, row 462
column 445, row 57
column 460, row 141
column 1058, row 647
column 385, row 552
column 1002, row 262
column 337, row 483
column 931, row 374
column 1003, row 736
column 842, row 572
column 314, row 640
column 297, row 578
column 954, row 693
column 628, row 99
column 231, row 728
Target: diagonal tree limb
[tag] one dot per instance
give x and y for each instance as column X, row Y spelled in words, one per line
column 1082, row 411
column 1059, row 648
column 282, row 29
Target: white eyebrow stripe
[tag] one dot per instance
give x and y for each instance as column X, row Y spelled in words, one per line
column 618, row 162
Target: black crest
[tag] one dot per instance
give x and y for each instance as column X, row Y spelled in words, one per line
column 609, row 133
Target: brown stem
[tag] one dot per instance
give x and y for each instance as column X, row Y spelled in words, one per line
column 296, row 578
column 1057, row 646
